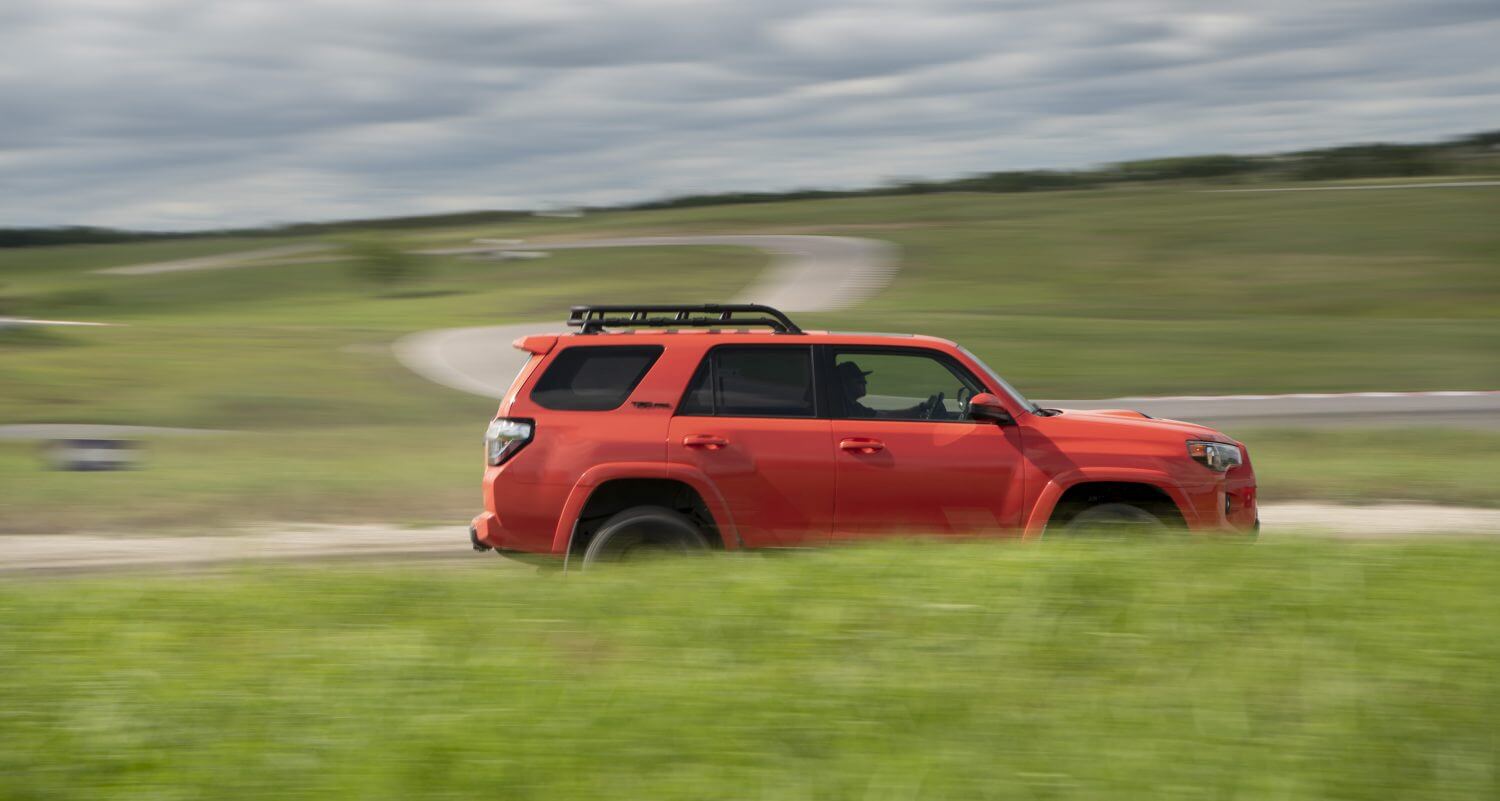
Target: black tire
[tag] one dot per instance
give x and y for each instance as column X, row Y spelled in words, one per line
column 644, row 531
column 1116, row 520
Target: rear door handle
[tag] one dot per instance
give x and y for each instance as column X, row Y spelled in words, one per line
column 861, row 445
column 708, row 441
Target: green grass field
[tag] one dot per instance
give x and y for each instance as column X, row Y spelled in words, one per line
column 1290, row 670
column 1076, row 294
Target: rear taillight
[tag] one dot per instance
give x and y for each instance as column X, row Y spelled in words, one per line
column 504, row 437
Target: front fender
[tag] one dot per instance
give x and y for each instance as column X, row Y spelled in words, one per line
column 1052, row 491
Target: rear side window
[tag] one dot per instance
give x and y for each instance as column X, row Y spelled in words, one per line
column 752, row 382
column 593, row 378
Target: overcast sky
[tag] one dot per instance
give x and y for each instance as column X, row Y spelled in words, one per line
column 193, row 114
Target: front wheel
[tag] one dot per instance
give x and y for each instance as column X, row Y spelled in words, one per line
column 1116, row 520
column 644, row 532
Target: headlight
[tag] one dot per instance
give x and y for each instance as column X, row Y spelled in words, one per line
column 504, row 437
column 1214, row 455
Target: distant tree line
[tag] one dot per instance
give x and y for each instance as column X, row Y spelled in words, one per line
column 1351, row 161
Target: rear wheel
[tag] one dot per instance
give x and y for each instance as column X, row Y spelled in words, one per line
column 1116, row 520
column 643, row 532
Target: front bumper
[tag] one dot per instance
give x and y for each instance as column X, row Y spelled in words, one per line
column 1229, row 504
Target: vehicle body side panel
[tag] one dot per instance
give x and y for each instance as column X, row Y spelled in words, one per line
column 927, row 478
column 775, row 475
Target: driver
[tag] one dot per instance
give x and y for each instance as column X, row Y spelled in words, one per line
column 856, row 386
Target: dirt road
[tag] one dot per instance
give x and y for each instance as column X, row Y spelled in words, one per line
column 86, row 553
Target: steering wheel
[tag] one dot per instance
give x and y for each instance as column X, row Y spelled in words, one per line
column 962, row 396
column 933, row 404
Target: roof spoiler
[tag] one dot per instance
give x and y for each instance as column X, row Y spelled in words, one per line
column 539, row 344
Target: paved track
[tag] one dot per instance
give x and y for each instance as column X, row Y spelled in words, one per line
column 1478, row 409
column 1348, row 187
column 807, row 273
column 11, row 322
column 222, row 261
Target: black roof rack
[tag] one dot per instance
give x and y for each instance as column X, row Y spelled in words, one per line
column 593, row 319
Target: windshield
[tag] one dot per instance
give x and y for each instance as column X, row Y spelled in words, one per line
column 997, row 381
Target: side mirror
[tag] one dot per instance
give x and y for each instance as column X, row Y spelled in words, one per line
column 985, row 406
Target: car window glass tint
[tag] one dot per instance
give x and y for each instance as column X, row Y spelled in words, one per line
column 764, row 382
column 699, row 398
column 593, row 379
column 900, row 386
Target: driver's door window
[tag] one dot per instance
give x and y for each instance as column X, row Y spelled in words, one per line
column 889, row 385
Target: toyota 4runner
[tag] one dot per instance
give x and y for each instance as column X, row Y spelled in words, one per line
column 729, row 427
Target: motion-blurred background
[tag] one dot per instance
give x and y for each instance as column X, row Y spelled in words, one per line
column 217, row 221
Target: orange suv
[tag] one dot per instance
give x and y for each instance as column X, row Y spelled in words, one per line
column 684, row 428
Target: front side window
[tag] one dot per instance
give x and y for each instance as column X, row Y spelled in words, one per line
column 593, row 378
column 901, row 386
column 752, row 381
column 1004, row 385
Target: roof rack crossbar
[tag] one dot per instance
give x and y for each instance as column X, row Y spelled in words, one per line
column 593, row 319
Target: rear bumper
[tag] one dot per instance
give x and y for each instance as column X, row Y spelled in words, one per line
column 485, row 533
column 488, row 533
column 475, row 543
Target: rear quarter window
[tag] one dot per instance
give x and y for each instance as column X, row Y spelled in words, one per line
column 593, row 378
column 752, row 381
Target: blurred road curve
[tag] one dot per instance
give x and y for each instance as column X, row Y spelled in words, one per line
column 807, row 273
column 221, row 261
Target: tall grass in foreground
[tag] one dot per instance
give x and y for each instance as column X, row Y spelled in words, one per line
column 1286, row 670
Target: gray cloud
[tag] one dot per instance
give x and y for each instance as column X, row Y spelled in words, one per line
column 186, row 114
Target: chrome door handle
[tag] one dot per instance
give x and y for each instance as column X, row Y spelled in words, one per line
column 862, row 445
